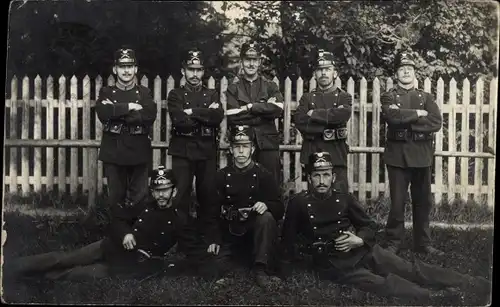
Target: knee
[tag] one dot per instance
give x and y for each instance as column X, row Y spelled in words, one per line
column 265, row 219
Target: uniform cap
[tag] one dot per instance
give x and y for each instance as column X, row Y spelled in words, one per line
column 250, row 50
column 320, row 161
column 323, row 58
column 241, row 134
column 162, row 178
column 125, row 56
column 193, row 59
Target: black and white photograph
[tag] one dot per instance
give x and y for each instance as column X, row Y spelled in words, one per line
column 333, row 153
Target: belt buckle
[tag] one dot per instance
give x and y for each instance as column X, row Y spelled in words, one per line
column 342, row 133
column 206, row 131
column 329, row 134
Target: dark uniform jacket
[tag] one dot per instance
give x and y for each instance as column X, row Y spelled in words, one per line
column 243, row 188
column 262, row 114
column 327, row 114
column 194, row 136
column 405, row 126
column 155, row 231
column 312, row 219
column 128, row 143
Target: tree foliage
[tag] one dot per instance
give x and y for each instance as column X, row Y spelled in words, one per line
column 79, row 37
column 450, row 38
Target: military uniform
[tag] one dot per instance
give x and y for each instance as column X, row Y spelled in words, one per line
column 326, row 128
column 261, row 115
column 243, row 231
column 409, row 154
column 320, row 219
column 126, row 146
column 193, row 145
column 156, row 230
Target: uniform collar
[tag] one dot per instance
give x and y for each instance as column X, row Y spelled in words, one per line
column 246, row 168
column 250, row 82
column 319, row 196
column 123, row 87
column 331, row 89
column 400, row 89
column 192, row 88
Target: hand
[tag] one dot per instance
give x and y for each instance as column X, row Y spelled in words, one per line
column 278, row 104
column 188, row 111
column 234, row 111
column 134, row 106
column 348, row 241
column 260, row 207
column 421, row 113
column 213, row 248
column 340, row 107
column 107, row 101
column 271, row 100
column 129, row 241
column 310, row 112
column 393, row 106
column 214, row 105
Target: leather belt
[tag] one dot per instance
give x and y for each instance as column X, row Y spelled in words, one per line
column 405, row 135
column 122, row 128
column 194, row 132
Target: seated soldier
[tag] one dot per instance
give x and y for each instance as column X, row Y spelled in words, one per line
column 139, row 239
column 324, row 218
column 250, row 206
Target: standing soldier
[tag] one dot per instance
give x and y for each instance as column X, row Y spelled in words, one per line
column 196, row 114
column 412, row 116
column 250, row 204
column 256, row 101
column 322, row 118
column 127, row 112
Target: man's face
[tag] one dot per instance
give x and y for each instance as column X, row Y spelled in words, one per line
column 406, row 74
column 321, row 180
column 125, row 73
column 250, row 66
column 193, row 75
column 325, row 75
column 164, row 195
column 242, row 152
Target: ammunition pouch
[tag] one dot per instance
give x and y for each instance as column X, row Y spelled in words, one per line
column 122, row 128
column 238, row 219
column 406, row 135
column 202, row 131
column 335, row 134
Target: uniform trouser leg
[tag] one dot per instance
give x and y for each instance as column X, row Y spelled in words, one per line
column 384, row 262
column 399, row 179
column 183, row 172
column 60, row 260
column 206, row 191
column 421, row 205
column 341, row 182
column 270, row 159
column 95, row 270
column 265, row 237
column 388, row 286
column 117, row 183
column 137, row 182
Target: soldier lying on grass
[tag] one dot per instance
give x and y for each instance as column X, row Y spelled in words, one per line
column 326, row 218
column 139, row 238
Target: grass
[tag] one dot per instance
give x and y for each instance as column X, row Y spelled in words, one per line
column 466, row 251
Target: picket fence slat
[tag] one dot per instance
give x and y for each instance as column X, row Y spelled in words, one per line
column 82, row 152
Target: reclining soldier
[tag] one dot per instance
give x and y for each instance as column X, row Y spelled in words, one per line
column 250, row 206
column 139, row 238
column 325, row 219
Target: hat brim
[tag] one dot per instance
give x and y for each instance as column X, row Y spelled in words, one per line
column 193, row 66
column 130, row 63
column 162, row 186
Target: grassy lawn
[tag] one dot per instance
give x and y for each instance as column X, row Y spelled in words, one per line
column 467, row 251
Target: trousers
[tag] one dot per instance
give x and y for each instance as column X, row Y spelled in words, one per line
column 127, row 184
column 270, row 159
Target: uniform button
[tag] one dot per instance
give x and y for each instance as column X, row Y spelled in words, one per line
column 309, row 205
column 114, row 91
column 399, row 104
column 185, row 94
column 164, row 254
column 204, row 94
column 228, row 196
column 250, row 197
column 187, row 102
column 169, row 222
column 314, row 95
column 336, row 94
column 229, row 175
column 255, row 175
column 162, row 233
column 320, row 249
column 146, row 210
column 315, row 227
column 397, row 95
column 312, row 216
column 135, row 229
column 136, row 101
column 337, row 200
column 140, row 220
column 114, row 100
column 253, row 187
column 419, row 95
column 155, row 244
column 319, row 238
column 340, row 213
column 227, row 186
column 137, row 92
column 338, row 222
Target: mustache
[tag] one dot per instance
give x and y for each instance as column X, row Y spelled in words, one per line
column 322, row 186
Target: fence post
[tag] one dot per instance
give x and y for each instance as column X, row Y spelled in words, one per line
column 170, row 86
column 439, row 146
column 375, row 138
column 157, row 122
column 86, row 156
column 98, row 137
column 13, row 135
column 363, row 88
column 464, row 163
column 25, row 171
column 286, row 132
column 478, row 165
column 492, row 130
column 37, row 134
column 223, row 124
column 352, row 137
column 452, row 122
column 73, row 182
column 61, row 170
column 50, row 133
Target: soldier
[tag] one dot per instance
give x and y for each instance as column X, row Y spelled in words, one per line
column 412, row 116
column 250, row 206
column 139, row 238
column 340, row 236
column 196, row 114
column 127, row 112
column 256, row 101
column 322, row 118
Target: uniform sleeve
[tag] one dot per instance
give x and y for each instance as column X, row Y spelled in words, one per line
column 291, row 227
column 335, row 116
column 176, row 111
column 433, row 121
column 121, row 222
column 269, row 110
column 187, row 238
column 242, row 118
column 395, row 116
column 365, row 226
column 147, row 115
column 207, row 116
column 302, row 121
column 107, row 112
column 271, row 195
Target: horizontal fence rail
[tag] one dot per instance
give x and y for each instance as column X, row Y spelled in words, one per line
column 52, row 140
